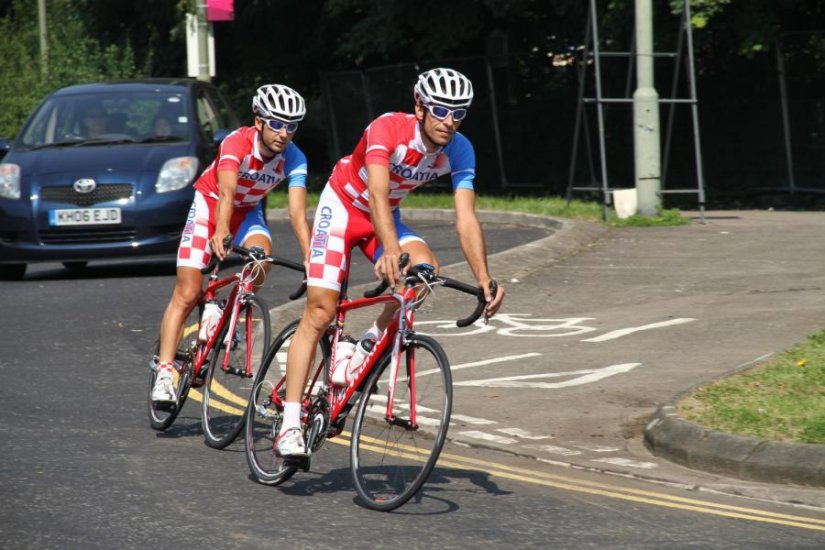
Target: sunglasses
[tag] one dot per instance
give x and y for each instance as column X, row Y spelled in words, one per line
column 277, row 125
column 440, row 112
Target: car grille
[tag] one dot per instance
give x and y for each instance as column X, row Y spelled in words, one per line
column 102, row 193
column 83, row 235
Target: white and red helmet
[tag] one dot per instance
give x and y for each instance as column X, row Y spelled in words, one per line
column 444, row 86
column 279, row 101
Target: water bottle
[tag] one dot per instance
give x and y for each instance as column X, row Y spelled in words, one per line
column 209, row 321
column 343, row 354
column 362, row 349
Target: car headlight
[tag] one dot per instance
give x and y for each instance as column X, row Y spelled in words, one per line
column 176, row 174
column 9, row 181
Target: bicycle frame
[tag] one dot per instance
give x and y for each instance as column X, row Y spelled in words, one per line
column 230, row 314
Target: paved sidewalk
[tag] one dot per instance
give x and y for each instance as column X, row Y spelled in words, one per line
column 601, row 327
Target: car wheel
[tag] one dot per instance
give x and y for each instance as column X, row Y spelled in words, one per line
column 12, row 272
column 75, row 266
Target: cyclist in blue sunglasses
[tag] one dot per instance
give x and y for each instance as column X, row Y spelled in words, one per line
column 359, row 207
column 251, row 161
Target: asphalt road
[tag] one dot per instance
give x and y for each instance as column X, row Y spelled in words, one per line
column 81, row 468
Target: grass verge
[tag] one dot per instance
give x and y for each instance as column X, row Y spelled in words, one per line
column 547, row 206
column 782, row 399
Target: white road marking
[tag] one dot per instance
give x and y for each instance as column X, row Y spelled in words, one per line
column 555, row 449
column 522, row 434
column 472, row 419
column 586, row 376
column 625, row 331
column 487, row 437
column 479, row 363
column 595, row 448
column 627, row 462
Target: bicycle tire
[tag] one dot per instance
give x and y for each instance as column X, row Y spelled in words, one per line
column 226, row 392
column 390, row 461
column 161, row 418
column 263, row 418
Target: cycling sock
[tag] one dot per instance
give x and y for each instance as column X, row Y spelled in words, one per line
column 292, row 415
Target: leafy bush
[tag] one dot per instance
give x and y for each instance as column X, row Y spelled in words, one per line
column 73, row 57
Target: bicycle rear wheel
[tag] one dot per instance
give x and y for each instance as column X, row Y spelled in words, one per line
column 227, row 388
column 391, row 459
column 161, row 417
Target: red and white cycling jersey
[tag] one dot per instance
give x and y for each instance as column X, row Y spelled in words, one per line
column 239, row 152
column 394, row 140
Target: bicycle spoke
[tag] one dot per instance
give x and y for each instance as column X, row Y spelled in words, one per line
column 392, row 459
column 227, row 389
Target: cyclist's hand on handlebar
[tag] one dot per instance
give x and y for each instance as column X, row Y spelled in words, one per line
column 220, row 242
column 387, row 267
column 493, row 302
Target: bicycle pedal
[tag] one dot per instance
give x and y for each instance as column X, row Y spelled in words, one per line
column 166, row 406
column 299, row 462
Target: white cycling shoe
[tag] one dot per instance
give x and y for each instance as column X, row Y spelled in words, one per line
column 165, row 390
column 290, row 444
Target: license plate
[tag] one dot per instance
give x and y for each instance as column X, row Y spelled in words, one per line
column 84, row 216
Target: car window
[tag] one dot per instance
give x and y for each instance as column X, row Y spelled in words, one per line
column 113, row 115
column 226, row 116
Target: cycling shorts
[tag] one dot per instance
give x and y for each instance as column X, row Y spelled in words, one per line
column 337, row 229
column 195, row 250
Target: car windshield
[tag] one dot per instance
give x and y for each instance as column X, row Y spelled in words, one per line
column 107, row 118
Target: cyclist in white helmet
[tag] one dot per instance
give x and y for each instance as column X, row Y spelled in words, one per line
column 359, row 207
column 229, row 195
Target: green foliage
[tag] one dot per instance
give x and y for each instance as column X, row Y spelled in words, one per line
column 783, row 399
column 73, row 57
column 664, row 217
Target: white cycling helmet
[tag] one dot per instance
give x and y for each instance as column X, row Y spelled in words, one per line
column 279, row 101
column 445, row 87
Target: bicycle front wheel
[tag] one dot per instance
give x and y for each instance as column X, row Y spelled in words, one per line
column 391, row 458
column 234, row 364
column 264, row 415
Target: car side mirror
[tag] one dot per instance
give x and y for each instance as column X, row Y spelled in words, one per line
column 5, row 146
column 220, row 135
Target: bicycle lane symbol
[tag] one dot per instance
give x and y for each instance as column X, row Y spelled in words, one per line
column 522, row 325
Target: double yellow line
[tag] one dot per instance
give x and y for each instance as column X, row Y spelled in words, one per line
column 537, row 477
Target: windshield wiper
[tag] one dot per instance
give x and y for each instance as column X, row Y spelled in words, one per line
column 160, row 139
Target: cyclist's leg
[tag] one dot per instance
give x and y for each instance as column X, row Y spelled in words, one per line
column 334, row 232
column 253, row 231
column 411, row 243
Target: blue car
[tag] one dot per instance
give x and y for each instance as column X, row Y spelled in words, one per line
column 106, row 170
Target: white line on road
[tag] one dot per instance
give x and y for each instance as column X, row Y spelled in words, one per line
column 555, row 449
column 487, row 437
column 587, row 376
column 627, row 462
column 523, row 434
column 625, row 331
column 480, row 363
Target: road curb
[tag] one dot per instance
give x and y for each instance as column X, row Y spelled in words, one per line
column 673, row 438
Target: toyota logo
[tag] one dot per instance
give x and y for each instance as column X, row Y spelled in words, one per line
column 84, row 185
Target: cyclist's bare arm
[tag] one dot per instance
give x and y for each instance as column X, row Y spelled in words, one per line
column 298, row 220
column 378, row 182
column 227, row 184
column 471, row 239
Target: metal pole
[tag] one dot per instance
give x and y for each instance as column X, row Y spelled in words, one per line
column 44, row 37
column 646, row 116
column 694, row 110
column 786, row 127
column 600, row 108
column 203, row 42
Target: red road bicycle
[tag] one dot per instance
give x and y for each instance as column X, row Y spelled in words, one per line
column 403, row 393
column 224, row 358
